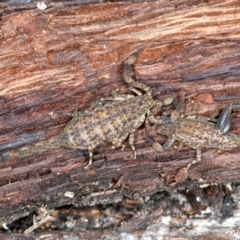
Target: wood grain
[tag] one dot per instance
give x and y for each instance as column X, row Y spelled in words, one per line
column 63, row 58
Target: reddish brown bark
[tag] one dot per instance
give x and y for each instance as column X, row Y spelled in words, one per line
column 59, row 59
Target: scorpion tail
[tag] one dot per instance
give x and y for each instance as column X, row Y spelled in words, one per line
column 127, row 68
column 29, row 150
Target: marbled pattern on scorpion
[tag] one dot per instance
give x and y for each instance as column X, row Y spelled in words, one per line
column 196, row 131
column 111, row 119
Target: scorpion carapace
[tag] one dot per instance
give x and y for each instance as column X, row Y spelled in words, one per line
column 111, row 119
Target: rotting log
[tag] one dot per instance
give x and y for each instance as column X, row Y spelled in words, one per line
column 60, row 59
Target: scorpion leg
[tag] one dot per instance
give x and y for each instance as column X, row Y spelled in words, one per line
column 90, row 158
column 198, row 155
column 136, row 125
column 131, row 141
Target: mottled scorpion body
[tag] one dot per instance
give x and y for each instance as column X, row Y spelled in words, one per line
column 196, row 131
column 111, row 119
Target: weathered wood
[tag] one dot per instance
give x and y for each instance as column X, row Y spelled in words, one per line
column 64, row 58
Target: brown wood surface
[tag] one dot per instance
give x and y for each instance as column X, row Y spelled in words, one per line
column 64, row 58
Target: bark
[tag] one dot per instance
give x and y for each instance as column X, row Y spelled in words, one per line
column 64, row 58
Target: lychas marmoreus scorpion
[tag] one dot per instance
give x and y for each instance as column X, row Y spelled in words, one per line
column 111, row 119
column 196, row 131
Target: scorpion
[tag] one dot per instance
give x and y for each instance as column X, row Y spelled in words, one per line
column 195, row 131
column 110, row 119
